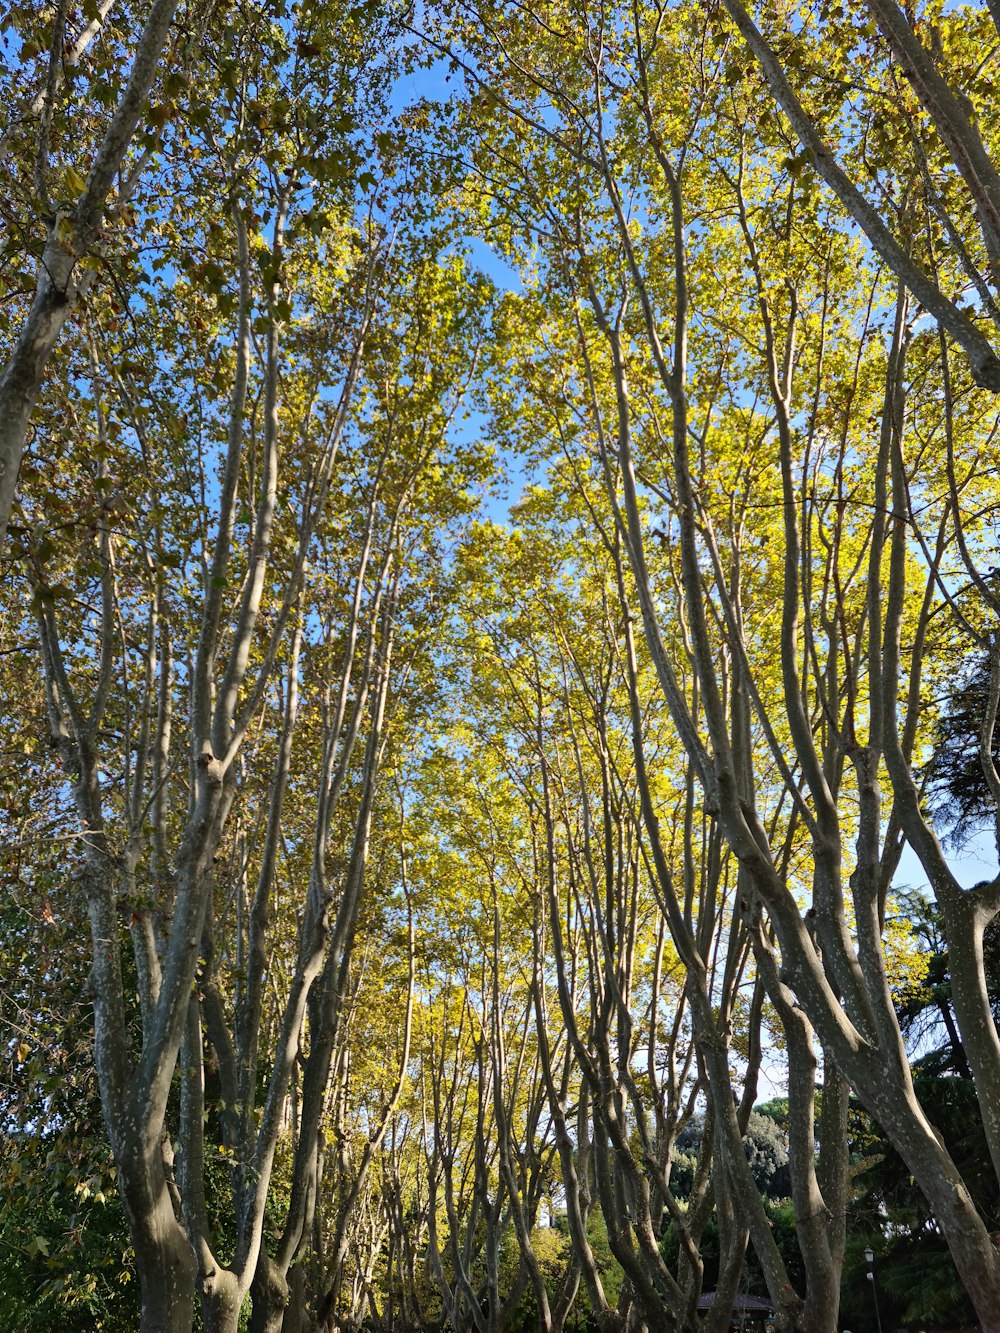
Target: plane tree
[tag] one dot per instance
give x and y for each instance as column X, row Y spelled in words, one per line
column 229, row 543
column 803, row 452
column 926, row 91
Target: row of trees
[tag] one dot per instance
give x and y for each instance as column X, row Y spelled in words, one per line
column 797, row 497
column 442, row 876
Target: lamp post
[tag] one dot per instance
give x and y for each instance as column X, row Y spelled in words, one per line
column 870, row 1260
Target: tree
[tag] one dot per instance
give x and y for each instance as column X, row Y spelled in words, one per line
column 445, row 876
column 931, row 81
column 74, row 196
column 280, row 581
column 765, row 1144
column 653, row 374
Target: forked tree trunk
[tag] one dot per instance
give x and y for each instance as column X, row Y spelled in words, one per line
column 221, row 1302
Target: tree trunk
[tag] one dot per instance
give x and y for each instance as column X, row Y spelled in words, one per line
column 269, row 1293
column 166, row 1265
column 23, row 375
column 734, row 1237
column 296, row 1316
column 221, row 1302
column 974, row 1254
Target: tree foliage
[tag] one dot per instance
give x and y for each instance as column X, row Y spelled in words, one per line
column 501, row 570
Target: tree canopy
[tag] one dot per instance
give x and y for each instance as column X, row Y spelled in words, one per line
column 500, row 633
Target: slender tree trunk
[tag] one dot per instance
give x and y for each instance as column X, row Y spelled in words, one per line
column 24, row 373
column 296, row 1318
column 733, row 1240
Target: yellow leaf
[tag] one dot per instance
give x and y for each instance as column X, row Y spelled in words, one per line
column 65, row 232
column 75, row 183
